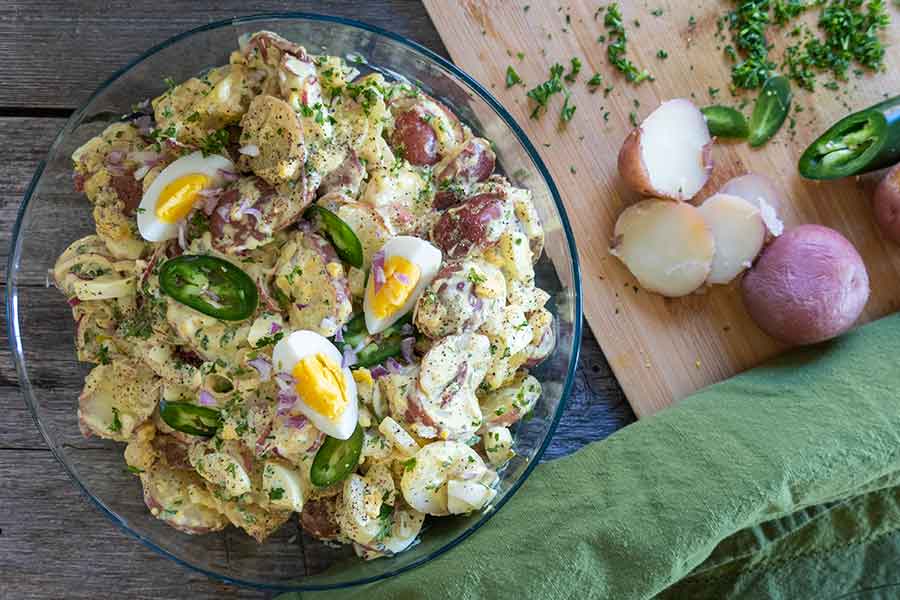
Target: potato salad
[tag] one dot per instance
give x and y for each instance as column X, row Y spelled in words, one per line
column 308, row 292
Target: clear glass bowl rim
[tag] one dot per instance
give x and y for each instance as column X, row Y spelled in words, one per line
column 12, row 311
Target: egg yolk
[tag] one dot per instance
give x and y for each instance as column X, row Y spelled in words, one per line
column 400, row 279
column 177, row 198
column 321, row 384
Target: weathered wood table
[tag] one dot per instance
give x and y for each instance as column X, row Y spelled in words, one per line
column 53, row 544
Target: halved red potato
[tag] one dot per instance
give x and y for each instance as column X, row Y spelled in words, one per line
column 472, row 162
column 461, row 298
column 346, row 179
column 669, row 154
column 760, row 191
column 424, row 129
column 311, row 278
column 666, row 245
column 180, row 498
column 739, row 233
column 472, row 226
column 272, row 141
column 508, row 404
column 450, row 372
column 117, row 398
column 319, row 517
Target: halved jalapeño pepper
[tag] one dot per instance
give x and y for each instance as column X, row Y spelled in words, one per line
column 190, row 418
column 336, row 459
column 726, row 122
column 345, row 241
column 771, row 109
column 210, row 285
column 864, row 141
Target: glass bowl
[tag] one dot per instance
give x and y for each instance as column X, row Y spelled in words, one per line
column 41, row 331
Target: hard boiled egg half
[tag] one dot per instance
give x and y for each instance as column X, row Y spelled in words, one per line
column 408, row 267
column 326, row 392
column 175, row 191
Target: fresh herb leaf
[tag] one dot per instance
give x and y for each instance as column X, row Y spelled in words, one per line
column 214, row 143
column 574, row 70
column 512, row 78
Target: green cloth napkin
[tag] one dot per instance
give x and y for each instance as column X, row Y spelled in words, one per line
column 782, row 482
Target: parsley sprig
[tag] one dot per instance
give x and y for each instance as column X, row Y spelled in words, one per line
column 618, row 44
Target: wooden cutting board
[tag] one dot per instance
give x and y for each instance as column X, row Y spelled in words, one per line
column 662, row 349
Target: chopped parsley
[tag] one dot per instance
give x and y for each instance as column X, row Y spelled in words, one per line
column 384, row 521
column 542, row 93
column 116, row 425
column 269, row 340
column 567, row 111
column 512, row 78
column 409, row 465
column 170, row 83
column 616, row 50
column 103, row 354
column 276, row 493
column 475, row 277
column 214, row 143
column 595, row 82
column 573, row 70
column 662, row 54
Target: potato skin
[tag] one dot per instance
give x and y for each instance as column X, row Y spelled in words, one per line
column 632, row 168
column 808, row 286
column 886, row 205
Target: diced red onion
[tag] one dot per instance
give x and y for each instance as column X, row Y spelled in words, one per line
column 407, row 329
column 140, row 172
column 491, row 212
column 301, row 306
column 348, row 358
column 274, row 328
column 255, row 213
column 228, row 175
column 401, row 278
column 392, row 365
column 144, row 124
column 285, row 381
column 182, row 234
column 406, row 347
column 249, row 150
column 286, row 400
column 378, row 270
column 210, row 200
column 222, row 211
column 475, row 302
column 461, row 285
column 146, row 157
column 378, row 371
column 73, row 301
column 212, row 295
column 206, row 399
column 115, row 157
column 327, row 324
column 339, row 335
column 263, row 366
column 297, row 422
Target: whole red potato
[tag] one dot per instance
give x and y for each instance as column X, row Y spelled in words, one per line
column 808, row 286
column 886, row 204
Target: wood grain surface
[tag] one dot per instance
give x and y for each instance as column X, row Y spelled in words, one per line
column 662, row 349
column 54, row 544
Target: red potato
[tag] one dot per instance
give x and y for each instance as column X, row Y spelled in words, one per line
column 666, row 245
column 886, row 205
column 472, row 226
column 414, row 139
column 809, row 285
column 473, row 163
column 669, row 154
column 739, row 232
column 761, row 192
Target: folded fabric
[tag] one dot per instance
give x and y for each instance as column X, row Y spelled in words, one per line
column 781, row 482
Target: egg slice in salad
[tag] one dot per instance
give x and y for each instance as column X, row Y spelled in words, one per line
column 175, row 191
column 326, row 392
column 401, row 271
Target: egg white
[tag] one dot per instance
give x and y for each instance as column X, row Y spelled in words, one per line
column 151, row 228
column 294, row 348
column 417, row 251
